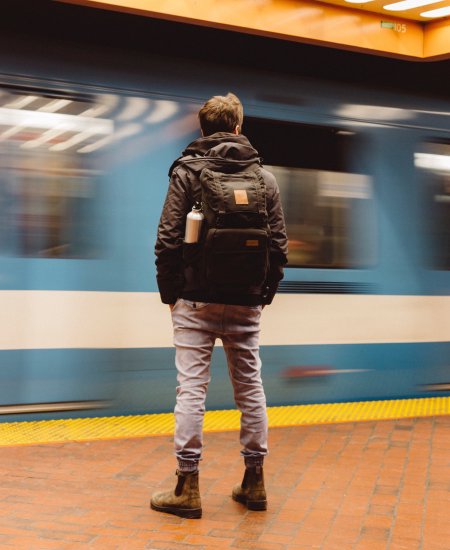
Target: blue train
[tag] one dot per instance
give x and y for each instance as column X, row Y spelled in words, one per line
column 85, row 147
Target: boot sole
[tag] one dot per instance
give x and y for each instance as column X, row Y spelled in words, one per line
column 188, row 513
column 254, row 505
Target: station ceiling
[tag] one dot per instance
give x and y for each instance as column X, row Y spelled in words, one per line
column 370, row 26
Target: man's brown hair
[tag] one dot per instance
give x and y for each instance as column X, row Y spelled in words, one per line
column 221, row 114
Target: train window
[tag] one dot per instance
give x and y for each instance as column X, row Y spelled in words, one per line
column 326, row 192
column 433, row 160
column 47, row 190
column 66, row 156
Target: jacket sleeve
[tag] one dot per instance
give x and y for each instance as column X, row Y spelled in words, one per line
column 169, row 242
column 278, row 240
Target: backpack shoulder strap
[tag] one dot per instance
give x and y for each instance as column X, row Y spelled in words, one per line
column 210, row 184
column 261, row 192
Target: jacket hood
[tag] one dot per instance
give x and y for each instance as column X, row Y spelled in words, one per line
column 221, row 145
column 224, row 145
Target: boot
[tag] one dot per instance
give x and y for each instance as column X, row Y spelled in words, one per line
column 251, row 491
column 184, row 501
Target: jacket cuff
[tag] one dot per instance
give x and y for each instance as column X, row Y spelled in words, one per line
column 168, row 294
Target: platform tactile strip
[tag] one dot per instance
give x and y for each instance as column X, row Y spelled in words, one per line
column 117, row 427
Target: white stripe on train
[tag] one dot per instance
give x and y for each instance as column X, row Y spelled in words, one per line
column 74, row 319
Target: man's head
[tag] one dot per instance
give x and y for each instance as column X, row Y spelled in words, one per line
column 221, row 114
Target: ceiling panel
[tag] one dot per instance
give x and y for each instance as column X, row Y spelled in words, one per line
column 377, row 6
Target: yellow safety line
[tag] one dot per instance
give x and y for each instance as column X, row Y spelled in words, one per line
column 117, row 427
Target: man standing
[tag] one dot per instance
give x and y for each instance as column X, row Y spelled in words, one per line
column 202, row 312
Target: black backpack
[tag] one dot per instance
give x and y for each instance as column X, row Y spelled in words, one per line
column 236, row 235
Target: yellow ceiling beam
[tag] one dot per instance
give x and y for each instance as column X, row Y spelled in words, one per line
column 302, row 21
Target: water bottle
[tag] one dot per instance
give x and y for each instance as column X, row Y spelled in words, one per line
column 194, row 222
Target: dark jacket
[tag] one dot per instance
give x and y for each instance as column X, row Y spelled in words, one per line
column 222, row 151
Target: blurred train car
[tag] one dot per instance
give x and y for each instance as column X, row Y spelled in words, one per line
column 85, row 147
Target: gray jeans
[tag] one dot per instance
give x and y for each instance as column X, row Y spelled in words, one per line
column 196, row 326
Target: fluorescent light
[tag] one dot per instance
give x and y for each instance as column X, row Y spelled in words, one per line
column 10, row 132
column 74, row 140
column 163, row 110
column 440, row 12
column 55, row 105
column 46, row 121
column 134, row 108
column 43, row 138
column 108, row 102
column 440, row 163
column 126, row 131
column 374, row 112
column 21, row 102
column 51, row 107
column 409, row 4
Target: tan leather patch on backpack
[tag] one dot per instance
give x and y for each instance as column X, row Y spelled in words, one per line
column 240, row 196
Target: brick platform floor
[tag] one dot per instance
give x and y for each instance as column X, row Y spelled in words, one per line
column 359, row 486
